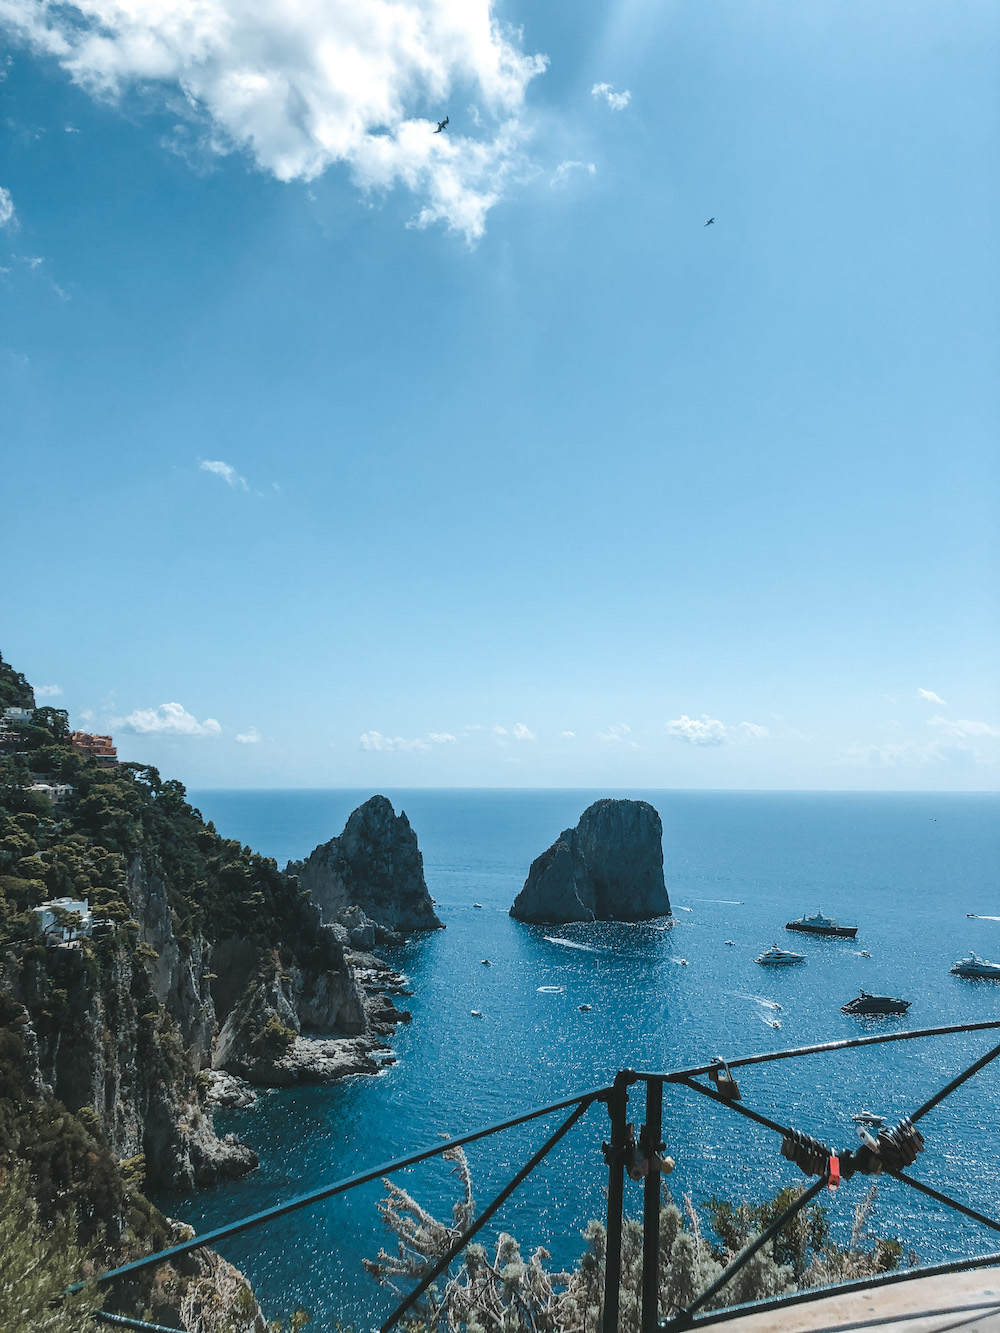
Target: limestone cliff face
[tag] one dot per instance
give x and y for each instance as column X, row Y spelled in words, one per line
column 608, row 868
column 375, row 866
column 127, row 1039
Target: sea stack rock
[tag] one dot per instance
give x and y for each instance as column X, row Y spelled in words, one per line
column 608, row 868
column 371, row 878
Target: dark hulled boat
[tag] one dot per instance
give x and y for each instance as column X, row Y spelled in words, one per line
column 875, row 1004
column 822, row 925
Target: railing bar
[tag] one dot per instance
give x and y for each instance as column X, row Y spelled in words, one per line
column 678, row 1075
column 125, row 1321
column 339, row 1187
column 944, row 1198
column 738, row 1107
column 683, row 1317
column 841, row 1289
column 456, row 1249
column 955, row 1083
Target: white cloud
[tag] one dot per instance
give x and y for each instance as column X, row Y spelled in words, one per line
column 616, row 101
column 6, row 208
column 303, row 86
column 374, row 740
column 618, row 734
column 963, row 728
column 248, row 737
column 699, row 731
column 930, row 696
column 754, row 732
column 225, row 470
column 959, row 742
column 168, row 720
column 568, row 735
column 47, row 691
column 707, row 730
column 521, row 733
column 565, row 168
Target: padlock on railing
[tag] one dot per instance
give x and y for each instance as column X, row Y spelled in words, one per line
column 725, row 1084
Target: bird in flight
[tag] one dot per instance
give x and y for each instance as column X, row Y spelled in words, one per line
column 441, row 125
column 710, row 222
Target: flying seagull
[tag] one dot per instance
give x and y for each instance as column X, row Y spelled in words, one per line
column 709, row 222
column 441, row 125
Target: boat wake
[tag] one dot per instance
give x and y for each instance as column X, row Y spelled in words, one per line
column 551, row 990
column 571, row 944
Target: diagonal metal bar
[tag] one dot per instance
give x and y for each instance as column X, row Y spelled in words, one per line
column 683, row 1318
column 945, row 1199
column 445, row 1261
column 126, row 1321
column 738, row 1107
column 848, row 1043
column 955, row 1083
column 338, row 1187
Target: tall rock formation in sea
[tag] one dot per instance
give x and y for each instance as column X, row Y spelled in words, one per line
column 608, row 868
column 371, row 878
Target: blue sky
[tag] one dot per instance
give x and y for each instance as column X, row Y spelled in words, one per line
column 339, row 453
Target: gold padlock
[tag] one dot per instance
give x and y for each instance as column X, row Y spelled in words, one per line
column 724, row 1082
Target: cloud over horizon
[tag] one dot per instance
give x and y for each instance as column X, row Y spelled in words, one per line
column 167, row 720
column 374, row 740
column 6, row 207
column 707, row 730
column 303, row 87
column 931, row 697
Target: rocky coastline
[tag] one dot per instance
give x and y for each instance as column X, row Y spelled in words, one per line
column 207, row 973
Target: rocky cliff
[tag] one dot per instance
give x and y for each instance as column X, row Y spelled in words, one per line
column 608, row 868
column 371, row 878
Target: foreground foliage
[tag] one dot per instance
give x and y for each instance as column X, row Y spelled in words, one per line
column 37, row 1264
column 498, row 1290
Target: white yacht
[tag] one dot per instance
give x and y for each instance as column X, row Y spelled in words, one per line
column 775, row 957
column 975, row 967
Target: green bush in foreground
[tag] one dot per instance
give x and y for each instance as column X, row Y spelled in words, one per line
column 37, row 1264
column 498, row 1290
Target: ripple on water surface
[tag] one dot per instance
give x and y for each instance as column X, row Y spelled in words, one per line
column 562, row 1009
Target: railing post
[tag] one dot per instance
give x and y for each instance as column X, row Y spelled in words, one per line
column 618, row 1110
column 652, row 1132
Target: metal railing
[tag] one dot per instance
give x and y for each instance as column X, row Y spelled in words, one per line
column 640, row 1158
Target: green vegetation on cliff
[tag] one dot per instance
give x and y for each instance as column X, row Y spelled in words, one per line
column 103, row 1040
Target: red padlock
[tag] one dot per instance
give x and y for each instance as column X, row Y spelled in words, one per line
column 833, row 1175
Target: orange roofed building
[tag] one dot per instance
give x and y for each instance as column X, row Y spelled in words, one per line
column 95, row 747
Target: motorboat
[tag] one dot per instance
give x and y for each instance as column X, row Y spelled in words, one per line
column 775, row 957
column 976, row 967
column 822, row 925
column 875, row 1004
column 868, row 1118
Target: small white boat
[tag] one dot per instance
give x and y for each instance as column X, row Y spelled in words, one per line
column 976, row 967
column 584, row 1008
column 477, row 904
column 476, row 1013
column 868, row 1118
column 486, row 962
column 730, row 941
column 775, row 957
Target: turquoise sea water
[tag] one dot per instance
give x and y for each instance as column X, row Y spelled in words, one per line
column 906, row 868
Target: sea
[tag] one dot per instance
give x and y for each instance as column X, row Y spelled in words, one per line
column 489, row 1041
